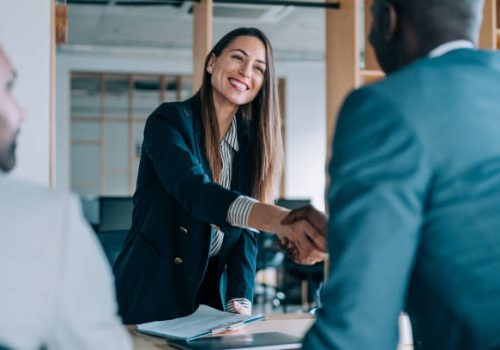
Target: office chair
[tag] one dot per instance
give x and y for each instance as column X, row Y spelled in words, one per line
column 310, row 277
column 90, row 209
column 112, row 243
column 269, row 256
column 115, row 218
column 115, row 213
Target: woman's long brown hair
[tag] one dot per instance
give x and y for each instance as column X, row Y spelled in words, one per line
column 264, row 116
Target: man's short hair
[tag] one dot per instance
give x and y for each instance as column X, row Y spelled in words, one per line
column 459, row 18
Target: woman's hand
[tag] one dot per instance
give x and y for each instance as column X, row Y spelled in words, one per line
column 240, row 309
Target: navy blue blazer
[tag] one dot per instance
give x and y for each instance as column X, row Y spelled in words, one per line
column 165, row 255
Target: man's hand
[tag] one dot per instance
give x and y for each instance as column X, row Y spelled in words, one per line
column 316, row 234
column 307, row 240
column 302, row 242
column 309, row 213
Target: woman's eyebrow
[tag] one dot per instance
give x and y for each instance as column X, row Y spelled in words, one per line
column 246, row 55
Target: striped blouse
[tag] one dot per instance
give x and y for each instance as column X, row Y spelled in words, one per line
column 238, row 211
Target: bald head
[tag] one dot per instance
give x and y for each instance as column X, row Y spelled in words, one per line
column 436, row 20
column 409, row 29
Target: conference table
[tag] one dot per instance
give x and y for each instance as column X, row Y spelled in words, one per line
column 293, row 324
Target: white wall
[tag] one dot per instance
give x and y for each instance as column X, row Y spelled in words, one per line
column 25, row 36
column 305, row 130
column 305, row 109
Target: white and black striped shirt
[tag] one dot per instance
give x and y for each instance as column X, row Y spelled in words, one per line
column 238, row 210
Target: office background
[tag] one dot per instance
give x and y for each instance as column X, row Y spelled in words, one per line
column 25, row 33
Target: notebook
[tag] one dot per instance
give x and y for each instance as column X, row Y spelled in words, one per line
column 204, row 321
column 257, row 341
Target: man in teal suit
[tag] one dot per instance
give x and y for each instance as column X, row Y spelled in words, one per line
column 415, row 189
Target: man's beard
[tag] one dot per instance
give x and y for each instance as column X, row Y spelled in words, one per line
column 8, row 156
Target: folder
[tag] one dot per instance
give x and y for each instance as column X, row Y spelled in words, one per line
column 203, row 322
column 256, row 341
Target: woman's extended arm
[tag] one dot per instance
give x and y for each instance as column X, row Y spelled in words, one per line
column 309, row 241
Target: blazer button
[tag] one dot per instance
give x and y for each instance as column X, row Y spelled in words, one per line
column 183, row 230
column 178, row 261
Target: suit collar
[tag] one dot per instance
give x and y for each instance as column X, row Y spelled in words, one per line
column 445, row 48
column 241, row 179
column 193, row 105
column 241, row 175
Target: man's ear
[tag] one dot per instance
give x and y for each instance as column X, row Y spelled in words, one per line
column 389, row 22
column 211, row 64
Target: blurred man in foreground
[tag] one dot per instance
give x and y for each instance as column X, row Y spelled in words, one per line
column 415, row 188
column 56, row 288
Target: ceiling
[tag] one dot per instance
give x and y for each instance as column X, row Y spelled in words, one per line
column 295, row 32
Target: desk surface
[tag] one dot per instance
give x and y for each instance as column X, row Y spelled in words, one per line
column 294, row 324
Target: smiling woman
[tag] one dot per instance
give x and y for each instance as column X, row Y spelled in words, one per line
column 208, row 165
column 238, row 68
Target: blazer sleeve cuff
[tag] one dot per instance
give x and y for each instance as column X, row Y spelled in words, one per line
column 244, row 302
column 239, row 211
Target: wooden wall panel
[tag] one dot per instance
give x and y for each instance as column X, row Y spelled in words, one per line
column 342, row 58
column 488, row 35
column 371, row 62
column 202, row 38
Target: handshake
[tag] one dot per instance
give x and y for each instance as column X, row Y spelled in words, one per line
column 302, row 235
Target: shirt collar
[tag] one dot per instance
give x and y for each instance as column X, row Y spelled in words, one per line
column 231, row 137
column 450, row 46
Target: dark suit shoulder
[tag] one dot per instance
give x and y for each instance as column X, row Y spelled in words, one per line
column 177, row 114
column 414, row 88
column 428, row 73
column 174, row 112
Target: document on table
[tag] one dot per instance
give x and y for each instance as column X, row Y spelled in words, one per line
column 204, row 321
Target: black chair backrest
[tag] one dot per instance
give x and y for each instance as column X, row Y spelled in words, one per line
column 292, row 203
column 112, row 243
column 90, row 208
column 115, row 213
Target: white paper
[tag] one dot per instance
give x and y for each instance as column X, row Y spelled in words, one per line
column 203, row 321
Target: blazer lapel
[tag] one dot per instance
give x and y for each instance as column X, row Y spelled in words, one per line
column 199, row 135
column 240, row 180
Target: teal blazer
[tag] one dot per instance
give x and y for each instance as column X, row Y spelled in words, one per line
column 415, row 210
